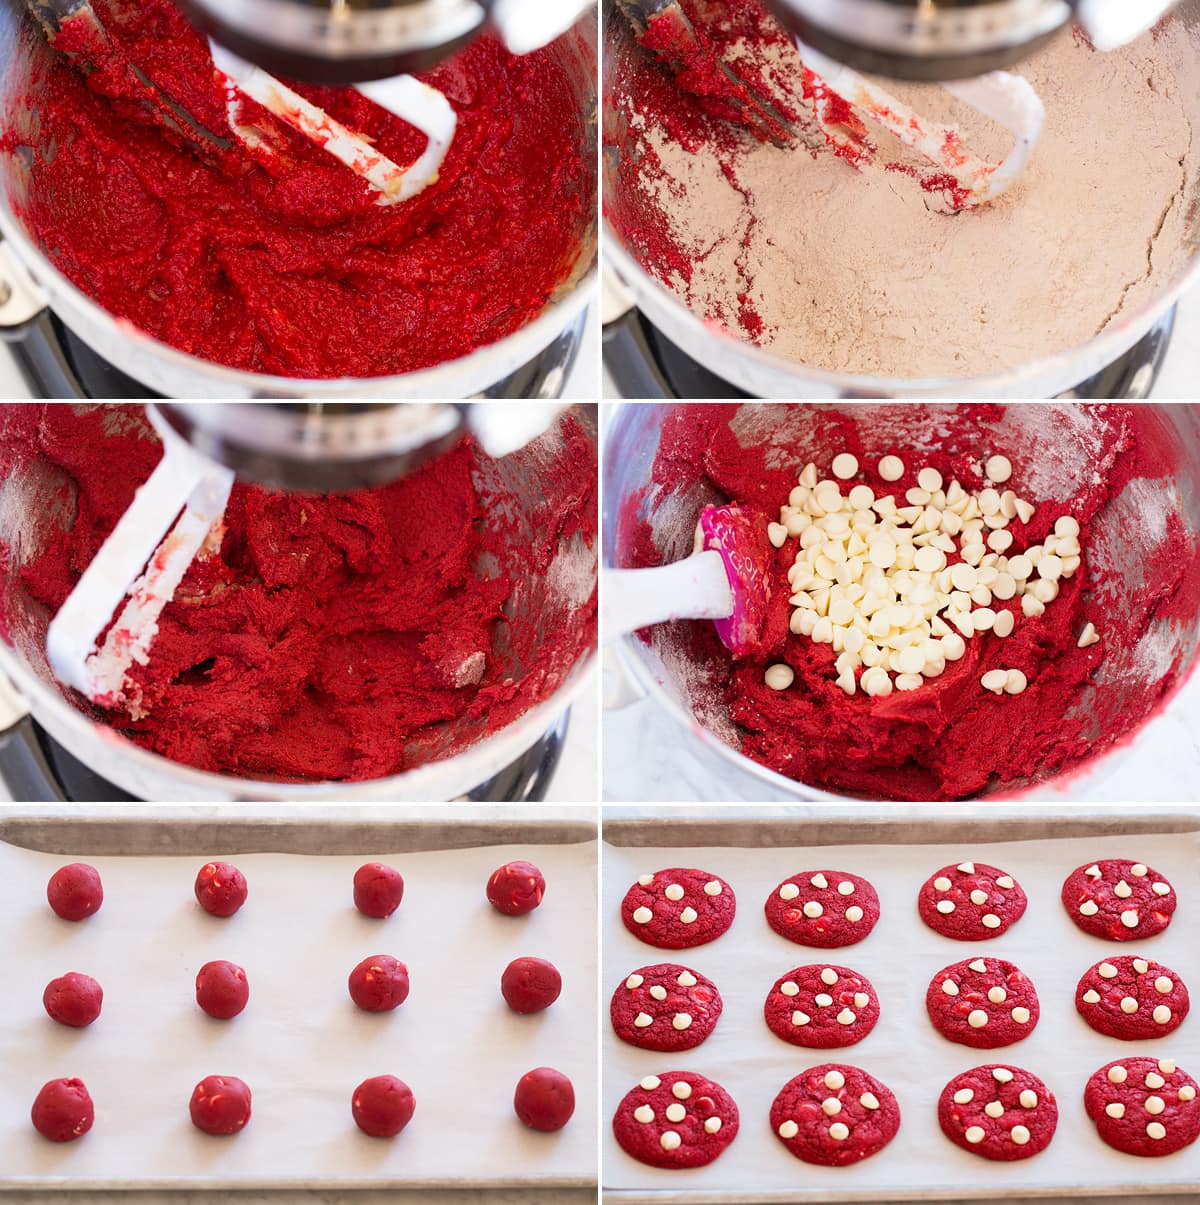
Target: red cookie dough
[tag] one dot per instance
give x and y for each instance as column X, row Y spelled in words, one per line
column 530, row 985
column 544, row 1099
column 1143, row 1106
column 63, row 1110
column 378, row 890
column 678, row 908
column 971, row 901
column 516, row 888
column 999, row 1112
column 220, row 1104
column 382, row 1106
column 675, row 1120
column 222, row 989
column 73, row 999
column 1132, row 998
column 666, row 1007
column 982, row 1002
column 823, row 908
column 1118, row 899
column 75, row 891
column 835, row 1115
column 822, row 1006
column 379, row 983
column 220, row 888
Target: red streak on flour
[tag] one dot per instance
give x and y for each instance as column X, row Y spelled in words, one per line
column 276, row 258
column 327, row 637
column 950, row 739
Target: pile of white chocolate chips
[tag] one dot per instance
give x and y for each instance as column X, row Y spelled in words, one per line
column 898, row 589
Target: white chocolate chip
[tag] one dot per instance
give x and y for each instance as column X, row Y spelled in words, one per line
column 845, row 887
column 1020, row 1015
column 1028, row 1099
column 839, row 1131
column 990, row 920
column 645, row 880
column 779, row 676
column 1019, row 1135
column 1088, row 636
column 1140, row 965
column 844, row 465
column 1115, row 1109
column 977, row 1018
column 834, row 1080
column 846, row 1017
column 945, row 907
column 789, row 891
column 658, row 992
column 799, row 1018
column 682, row 1021
column 998, row 469
column 651, row 1082
column 789, row 988
column 1161, row 889
column 670, row 1140
column 1122, row 890
column 854, row 914
column 1187, row 1093
column 1107, row 970
column 1129, row 1004
column 997, row 995
column 1091, row 996
column 712, row 1125
column 978, row 965
column 979, row 897
column 686, row 979
column 975, row 1134
column 994, row 1109
column 642, row 916
column 829, row 977
column 1138, row 870
column 713, row 887
column 949, row 987
column 1129, row 919
column 822, row 1000
column 964, row 1096
column 1154, row 1080
column 1156, row 1130
column 869, row 1100
column 789, row 1129
column 642, row 1020
column 644, row 1114
column 861, row 999
column 1155, row 1105
column 891, row 468
column 941, row 883
column 1117, row 1074
column 812, row 910
column 633, row 981
column 1166, row 1066
column 1002, row 1075
column 831, row 1106
column 1089, row 908
column 676, row 1112
column 819, row 881
column 1005, row 881
column 1093, row 871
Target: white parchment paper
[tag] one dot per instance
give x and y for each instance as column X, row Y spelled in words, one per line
column 301, row 1044
column 900, row 957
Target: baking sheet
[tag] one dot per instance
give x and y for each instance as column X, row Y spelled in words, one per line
column 900, row 957
column 301, row 1044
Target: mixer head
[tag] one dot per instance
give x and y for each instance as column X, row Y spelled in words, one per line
column 353, row 41
column 935, row 40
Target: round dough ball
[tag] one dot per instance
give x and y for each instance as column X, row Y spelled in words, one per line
column 220, row 1104
column 73, row 999
column 382, row 1105
column 529, row 985
column 544, row 1099
column 378, row 890
column 379, row 983
column 63, row 1110
column 75, row 891
column 222, row 989
column 220, row 888
column 516, row 888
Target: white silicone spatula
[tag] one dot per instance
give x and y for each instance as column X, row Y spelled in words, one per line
column 726, row 580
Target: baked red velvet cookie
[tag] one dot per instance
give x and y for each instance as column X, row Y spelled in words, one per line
column 675, row 1120
column 1118, row 899
column 516, row 888
column 678, row 908
column 971, row 901
column 999, row 1112
column 1132, row 998
column 382, row 1106
column 378, row 890
column 63, row 1110
column 75, row 892
column 220, row 888
column 982, row 1002
column 544, row 1099
column 530, row 985
column 222, row 989
column 666, row 1007
column 834, row 1115
column 220, row 1105
column 379, row 983
column 73, row 999
column 823, row 908
column 1143, row 1106
column 822, row 1006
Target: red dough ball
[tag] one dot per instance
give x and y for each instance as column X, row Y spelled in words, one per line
column 222, row 989
column 75, row 891
column 529, row 985
column 220, row 888
column 516, row 888
column 63, row 1110
column 220, row 1104
column 73, row 999
column 378, row 890
column 379, row 983
column 382, row 1105
column 544, row 1099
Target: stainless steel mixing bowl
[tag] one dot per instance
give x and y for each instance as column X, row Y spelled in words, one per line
column 1123, row 536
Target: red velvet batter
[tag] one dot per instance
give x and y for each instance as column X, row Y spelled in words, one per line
column 950, row 739
column 281, row 262
column 333, row 638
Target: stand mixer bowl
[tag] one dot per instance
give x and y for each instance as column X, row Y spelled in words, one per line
column 762, row 373
column 172, row 373
column 1131, row 684
column 35, row 503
